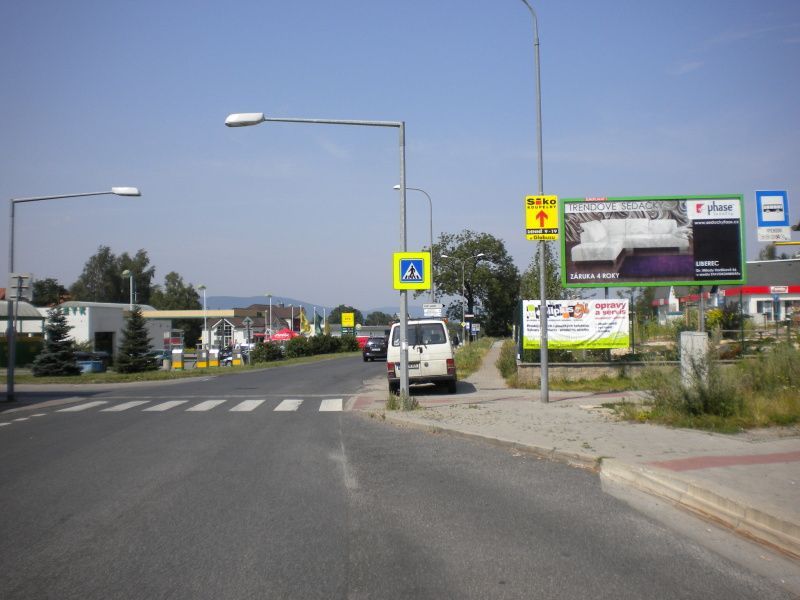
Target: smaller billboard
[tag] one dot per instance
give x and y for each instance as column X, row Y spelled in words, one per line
column 652, row 241
column 577, row 324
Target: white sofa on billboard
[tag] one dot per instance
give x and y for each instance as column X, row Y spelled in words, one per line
column 605, row 240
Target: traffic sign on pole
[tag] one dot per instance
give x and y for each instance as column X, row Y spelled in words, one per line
column 412, row 270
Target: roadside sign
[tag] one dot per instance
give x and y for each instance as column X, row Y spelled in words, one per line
column 348, row 319
column 541, row 217
column 19, row 287
column 432, row 310
column 247, row 321
column 411, row 270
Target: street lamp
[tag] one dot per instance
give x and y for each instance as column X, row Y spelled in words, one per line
column 128, row 273
column 245, row 119
column 542, row 244
column 202, row 288
column 291, row 307
column 430, row 222
column 11, row 331
column 270, row 317
column 479, row 256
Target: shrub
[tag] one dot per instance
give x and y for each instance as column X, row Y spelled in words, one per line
column 268, row 352
column 324, row 344
column 349, row 343
column 299, row 346
column 507, row 361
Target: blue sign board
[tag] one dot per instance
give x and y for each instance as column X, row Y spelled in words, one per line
column 773, row 208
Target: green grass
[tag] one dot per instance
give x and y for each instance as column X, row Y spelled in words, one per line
column 470, row 356
column 24, row 376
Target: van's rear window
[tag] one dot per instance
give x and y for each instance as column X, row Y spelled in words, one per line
column 421, row 334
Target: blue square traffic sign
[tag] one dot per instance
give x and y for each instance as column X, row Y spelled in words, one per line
column 773, row 208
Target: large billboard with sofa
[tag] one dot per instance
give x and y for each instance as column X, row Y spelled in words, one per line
column 652, row 241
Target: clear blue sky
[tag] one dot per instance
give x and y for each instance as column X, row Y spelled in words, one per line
column 639, row 98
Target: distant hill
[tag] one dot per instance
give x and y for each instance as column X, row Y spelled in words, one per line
column 228, row 302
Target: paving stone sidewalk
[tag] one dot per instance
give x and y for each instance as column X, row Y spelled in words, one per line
column 748, row 481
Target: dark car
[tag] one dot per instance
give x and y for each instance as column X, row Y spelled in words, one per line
column 374, row 347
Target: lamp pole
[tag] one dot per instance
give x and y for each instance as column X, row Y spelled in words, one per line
column 246, row 119
column 430, row 223
column 11, row 333
column 270, row 318
column 129, row 274
column 543, row 354
column 291, row 307
column 202, row 287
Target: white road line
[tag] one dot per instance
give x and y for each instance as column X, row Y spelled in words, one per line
column 83, row 406
column 203, row 406
column 331, row 405
column 4, row 424
column 124, row 406
column 165, row 406
column 289, row 405
column 20, row 419
column 247, row 406
column 39, row 415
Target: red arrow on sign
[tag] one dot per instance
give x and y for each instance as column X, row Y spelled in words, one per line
column 542, row 216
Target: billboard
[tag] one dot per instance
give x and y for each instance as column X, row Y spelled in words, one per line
column 652, row 241
column 577, row 324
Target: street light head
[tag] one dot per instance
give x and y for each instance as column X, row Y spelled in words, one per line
column 444, row 256
column 244, row 119
column 126, row 191
column 126, row 273
column 480, row 255
column 201, row 287
column 396, row 187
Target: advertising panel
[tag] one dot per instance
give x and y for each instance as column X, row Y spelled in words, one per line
column 649, row 241
column 577, row 324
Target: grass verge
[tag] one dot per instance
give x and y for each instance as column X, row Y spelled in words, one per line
column 470, row 356
column 114, row 377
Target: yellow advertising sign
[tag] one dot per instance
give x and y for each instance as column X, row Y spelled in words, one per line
column 541, row 217
column 412, row 270
column 348, row 319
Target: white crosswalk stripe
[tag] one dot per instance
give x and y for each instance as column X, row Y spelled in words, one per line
column 331, row 405
column 125, row 406
column 204, row 406
column 247, row 405
column 86, row 406
column 165, row 406
column 289, row 404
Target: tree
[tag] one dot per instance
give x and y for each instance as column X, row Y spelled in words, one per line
column 134, row 352
column 48, row 292
column 770, row 252
column 102, row 280
column 490, row 282
column 379, row 318
column 336, row 314
column 58, row 355
column 530, row 286
column 176, row 295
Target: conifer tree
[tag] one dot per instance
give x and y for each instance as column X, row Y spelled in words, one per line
column 135, row 351
column 58, row 355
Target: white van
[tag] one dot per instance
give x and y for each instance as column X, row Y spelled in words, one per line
column 430, row 355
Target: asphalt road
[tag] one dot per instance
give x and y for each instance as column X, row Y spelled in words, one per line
column 262, row 503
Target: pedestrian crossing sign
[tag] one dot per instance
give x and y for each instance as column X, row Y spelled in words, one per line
column 412, row 270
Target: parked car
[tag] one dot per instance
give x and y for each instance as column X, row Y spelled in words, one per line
column 374, row 347
column 431, row 358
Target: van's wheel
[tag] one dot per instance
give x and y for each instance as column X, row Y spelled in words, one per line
column 451, row 387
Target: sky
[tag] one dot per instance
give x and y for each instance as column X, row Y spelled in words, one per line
column 639, row 98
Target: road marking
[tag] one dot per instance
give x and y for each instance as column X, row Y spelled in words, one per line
column 331, row 405
column 20, row 419
column 4, row 424
column 203, row 406
column 289, row 405
column 165, row 406
column 83, row 406
column 124, row 406
column 247, row 406
column 39, row 415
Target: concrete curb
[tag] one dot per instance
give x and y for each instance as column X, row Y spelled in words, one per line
column 745, row 520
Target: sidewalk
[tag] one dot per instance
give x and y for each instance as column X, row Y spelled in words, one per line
column 749, row 482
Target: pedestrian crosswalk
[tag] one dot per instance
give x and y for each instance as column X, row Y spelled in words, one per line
column 216, row 404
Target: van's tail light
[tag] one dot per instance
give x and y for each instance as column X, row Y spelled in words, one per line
column 451, row 366
column 390, row 370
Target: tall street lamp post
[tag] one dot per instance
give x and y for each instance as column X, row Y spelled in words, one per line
column 479, row 256
column 11, row 332
column 129, row 274
column 270, row 318
column 430, row 223
column 542, row 244
column 245, row 119
column 202, row 288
